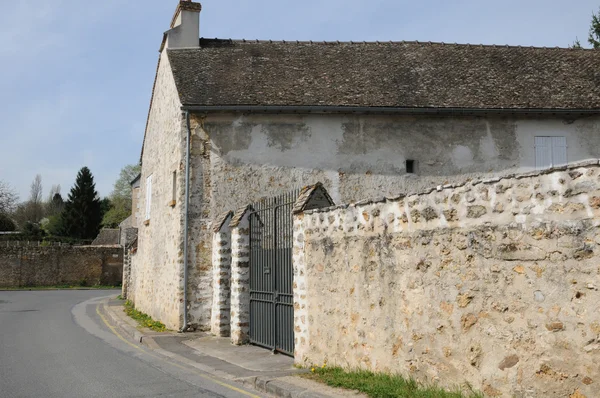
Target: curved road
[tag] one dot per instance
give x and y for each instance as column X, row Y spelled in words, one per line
column 54, row 344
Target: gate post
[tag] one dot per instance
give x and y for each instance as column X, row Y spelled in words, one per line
column 221, row 259
column 240, row 277
column 310, row 198
column 301, row 335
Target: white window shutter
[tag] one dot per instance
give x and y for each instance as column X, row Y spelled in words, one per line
column 148, row 196
column 543, row 152
column 559, row 151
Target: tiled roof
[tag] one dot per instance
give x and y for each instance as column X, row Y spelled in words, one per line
column 107, row 237
column 221, row 220
column 238, row 216
column 386, row 74
column 312, row 197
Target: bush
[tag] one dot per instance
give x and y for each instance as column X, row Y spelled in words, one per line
column 7, row 224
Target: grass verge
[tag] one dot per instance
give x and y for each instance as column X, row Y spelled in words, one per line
column 379, row 385
column 142, row 319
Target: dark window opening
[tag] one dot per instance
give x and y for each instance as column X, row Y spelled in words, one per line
column 410, row 166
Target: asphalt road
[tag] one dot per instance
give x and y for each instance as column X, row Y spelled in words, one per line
column 54, row 344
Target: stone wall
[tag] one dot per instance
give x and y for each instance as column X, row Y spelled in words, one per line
column 156, row 278
column 493, row 283
column 22, row 266
column 239, row 159
column 221, row 261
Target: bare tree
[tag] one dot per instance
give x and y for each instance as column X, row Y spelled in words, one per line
column 36, row 206
column 35, row 195
column 53, row 191
column 8, row 198
column 55, row 202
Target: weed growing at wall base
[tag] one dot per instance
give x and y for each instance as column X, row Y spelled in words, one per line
column 142, row 319
column 379, row 385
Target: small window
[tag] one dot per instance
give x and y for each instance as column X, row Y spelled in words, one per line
column 410, row 166
column 550, row 152
column 148, row 196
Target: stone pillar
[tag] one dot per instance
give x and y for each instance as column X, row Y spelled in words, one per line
column 221, row 259
column 240, row 277
column 301, row 324
column 126, row 272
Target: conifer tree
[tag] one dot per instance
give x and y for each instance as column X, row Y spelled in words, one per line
column 81, row 215
column 594, row 36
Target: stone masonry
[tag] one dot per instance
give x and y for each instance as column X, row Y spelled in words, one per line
column 492, row 283
column 240, row 277
column 221, row 305
column 25, row 265
column 156, row 278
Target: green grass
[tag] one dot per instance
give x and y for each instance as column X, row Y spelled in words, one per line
column 142, row 319
column 379, row 385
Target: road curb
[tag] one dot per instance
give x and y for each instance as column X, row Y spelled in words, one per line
column 265, row 384
column 130, row 331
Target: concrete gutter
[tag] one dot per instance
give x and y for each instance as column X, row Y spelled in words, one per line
column 281, row 385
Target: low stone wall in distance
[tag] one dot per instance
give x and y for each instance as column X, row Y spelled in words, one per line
column 491, row 283
column 26, row 265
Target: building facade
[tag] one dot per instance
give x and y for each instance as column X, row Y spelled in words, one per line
column 231, row 122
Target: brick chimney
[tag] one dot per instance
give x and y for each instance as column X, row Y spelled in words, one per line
column 185, row 26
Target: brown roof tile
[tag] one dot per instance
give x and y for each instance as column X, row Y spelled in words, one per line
column 312, row 197
column 221, row 220
column 386, row 74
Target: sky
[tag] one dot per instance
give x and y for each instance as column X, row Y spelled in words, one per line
column 76, row 76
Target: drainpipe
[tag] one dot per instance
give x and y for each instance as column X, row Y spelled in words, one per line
column 185, row 224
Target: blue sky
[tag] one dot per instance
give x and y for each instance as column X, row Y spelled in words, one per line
column 76, row 77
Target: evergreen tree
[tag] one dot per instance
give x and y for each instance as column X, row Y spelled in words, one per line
column 594, row 36
column 82, row 215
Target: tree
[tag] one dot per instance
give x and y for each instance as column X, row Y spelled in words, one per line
column 120, row 197
column 81, row 216
column 55, row 203
column 6, row 223
column 594, row 35
column 36, row 207
column 53, row 225
column 8, row 198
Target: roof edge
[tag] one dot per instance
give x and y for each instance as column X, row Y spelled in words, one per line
column 382, row 110
column 208, row 40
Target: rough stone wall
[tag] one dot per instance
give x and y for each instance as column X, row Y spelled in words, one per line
column 200, row 293
column 237, row 160
column 240, row 280
column 221, row 260
column 127, row 254
column 157, row 269
column 364, row 156
column 493, row 283
column 22, row 266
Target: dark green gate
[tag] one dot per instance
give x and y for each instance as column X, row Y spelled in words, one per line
column 271, row 273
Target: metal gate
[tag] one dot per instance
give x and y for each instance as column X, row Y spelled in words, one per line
column 271, row 274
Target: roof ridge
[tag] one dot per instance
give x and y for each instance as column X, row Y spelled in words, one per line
column 432, row 43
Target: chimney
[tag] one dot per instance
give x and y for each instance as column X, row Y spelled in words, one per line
column 185, row 26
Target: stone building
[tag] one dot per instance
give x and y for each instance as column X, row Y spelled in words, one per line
column 233, row 121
